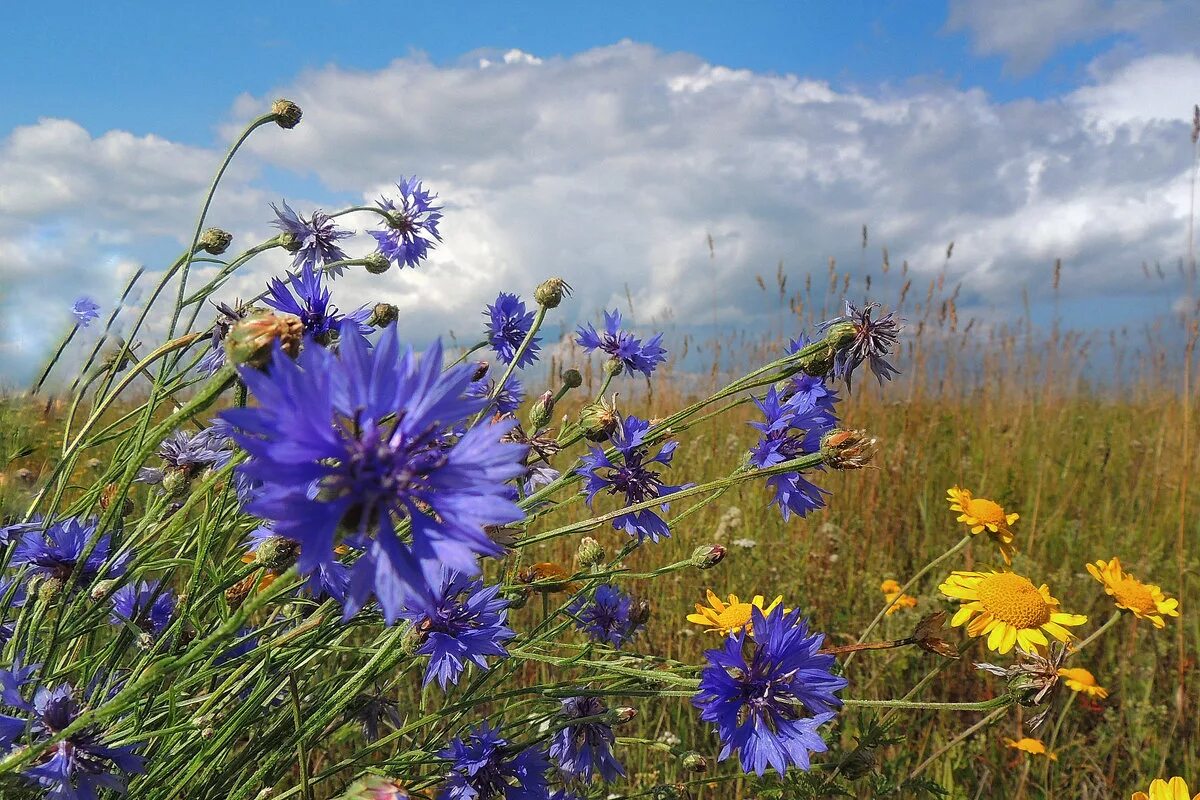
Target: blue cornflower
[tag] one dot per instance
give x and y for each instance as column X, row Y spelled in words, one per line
column 466, row 623
column 145, row 606
column 307, row 297
column 792, row 428
column 585, row 749
column 315, row 238
column 227, row 317
column 768, row 692
column 632, row 476
column 187, row 454
column 609, row 615
column 53, row 553
column 85, row 310
column 811, row 387
column 507, row 326
column 872, row 340
column 508, row 399
column 485, row 768
column 623, row 345
column 353, row 445
column 412, row 225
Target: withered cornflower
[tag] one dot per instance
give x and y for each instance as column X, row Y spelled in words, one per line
column 863, row 339
column 508, row 324
column 634, row 354
column 305, row 296
column 483, row 765
column 358, row 447
column 187, row 454
column 412, row 224
column 314, row 240
column 769, row 692
column 85, row 310
column 632, row 476
column 790, row 429
column 585, row 749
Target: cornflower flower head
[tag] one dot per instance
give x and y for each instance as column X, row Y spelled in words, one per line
column 314, row 240
column 187, row 454
column 412, row 224
column 790, row 429
column 733, row 616
column 863, row 339
column 357, row 447
column 85, row 310
column 306, row 296
column 1035, row 747
column 608, row 616
column 980, row 515
column 484, row 766
column 585, row 749
column 465, row 624
column 1081, row 680
column 508, row 323
column 53, row 554
column 1175, row 789
column 507, row 400
column 892, row 594
column 227, row 317
column 768, row 693
column 145, row 606
column 633, row 477
column 632, row 352
column 1143, row 600
column 1008, row 609
column 811, row 388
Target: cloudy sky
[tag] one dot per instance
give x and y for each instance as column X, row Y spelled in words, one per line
column 609, row 144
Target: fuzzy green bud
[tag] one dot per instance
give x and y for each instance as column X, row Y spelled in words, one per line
column 590, row 554
column 375, row 787
column 287, row 114
column 383, row 314
column 289, row 241
column 694, row 762
column 214, row 241
column 622, row 714
column 614, row 367
column 277, row 553
column 101, row 590
column 707, row 556
column 572, row 379
column 598, row 421
column 542, row 412
column 49, row 589
column 376, row 263
column 251, row 340
column 175, row 482
column 549, row 293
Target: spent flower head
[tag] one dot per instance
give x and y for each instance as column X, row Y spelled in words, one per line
column 858, row 338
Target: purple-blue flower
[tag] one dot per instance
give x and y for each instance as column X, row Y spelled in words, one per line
column 412, row 229
column 188, row 454
column 227, row 317
column 485, row 768
column 632, row 477
column 85, row 310
column 508, row 399
column 508, row 324
column 609, row 615
column 144, row 606
column 585, row 749
column 813, row 389
column 768, row 692
column 636, row 355
column 791, row 428
column 54, row 553
column 315, row 238
column 872, row 341
column 354, row 447
column 465, row 624
column 306, row 296
column 18, row 596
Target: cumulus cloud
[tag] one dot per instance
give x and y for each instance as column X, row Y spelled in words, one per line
column 613, row 167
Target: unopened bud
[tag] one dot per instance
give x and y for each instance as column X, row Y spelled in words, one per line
column 675, row 791
column 376, row 263
column 517, row 598
column 858, row 763
column 542, row 412
column 375, row 787
column 598, row 421
column 708, row 556
column 214, row 241
column 614, row 367
column 175, row 482
column 481, row 370
column 383, row 314
column 95, row 465
column 49, row 589
column 287, row 114
column 207, row 732
column 145, row 641
column 694, row 762
column 843, row 449
column 251, row 340
column 549, row 293
column 590, row 554
column 277, row 553
column 102, row 589
column 572, row 379
column 623, row 714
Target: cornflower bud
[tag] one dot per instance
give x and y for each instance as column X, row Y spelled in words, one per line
column 549, row 293
column 289, row 241
column 251, row 339
column 102, row 589
column 572, row 379
column 623, row 714
column 383, row 314
column 277, row 553
column 598, row 421
column 640, row 613
column 287, row 114
column 843, row 449
column 214, row 241
column 376, row 263
column 542, row 412
column 175, row 482
column 694, row 762
column 614, row 367
column 591, row 553
column 375, row 787
column 707, row 556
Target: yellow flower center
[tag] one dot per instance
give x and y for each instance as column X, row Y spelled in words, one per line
column 1133, row 594
column 1013, row 599
column 735, row 616
column 986, row 511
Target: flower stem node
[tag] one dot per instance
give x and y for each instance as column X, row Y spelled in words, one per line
column 572, row 379
column 214, row 241
column 251, row 340
column 287, row 114
column 383, row 314
column 377, row 263
column 542, row 412
column 598, row 421
column 694, row 762
column 844, row 449
column 708, row 556
column 591, row 553
column 550, row 293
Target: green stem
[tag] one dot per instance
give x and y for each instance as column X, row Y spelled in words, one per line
column 54, row 359
column 1096, row 634
column 962, row 737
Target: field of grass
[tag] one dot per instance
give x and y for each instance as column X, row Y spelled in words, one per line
column 1093, row 441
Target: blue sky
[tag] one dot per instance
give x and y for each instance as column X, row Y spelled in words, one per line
column 608, row 143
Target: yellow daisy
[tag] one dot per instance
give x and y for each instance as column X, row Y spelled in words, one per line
column 1145, row 600
column 1079, row 679
column 891, row 592
column 1031, row 746
column 982, row 515
column 1011, row 610
column 730, row 617
column 1177, row 789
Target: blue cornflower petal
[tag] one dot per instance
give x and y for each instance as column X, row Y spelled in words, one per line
column 144, row 606
column 306, row 296
column 85, row 310
column 636, row 355
column 413, row 224
column 483, row 766
column 585, row 749
column 608, row 616
column 508, row 323
column 54, row 552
